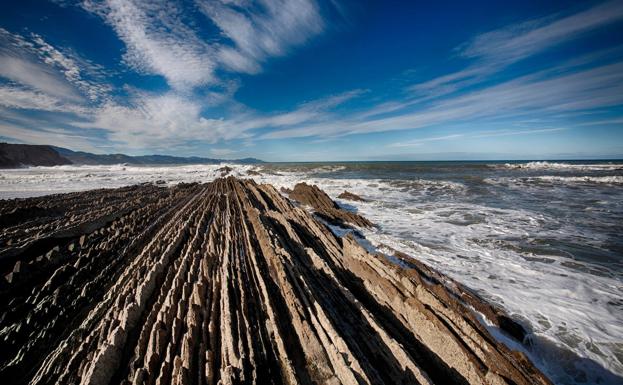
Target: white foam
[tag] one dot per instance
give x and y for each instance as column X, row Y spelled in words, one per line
column 543, row 165
column 472, row 243
column 614, row 179
column 36, row 181
column 555, row 179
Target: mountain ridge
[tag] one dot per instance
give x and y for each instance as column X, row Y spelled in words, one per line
column 20, row 155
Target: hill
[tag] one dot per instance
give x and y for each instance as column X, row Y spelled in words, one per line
column 18, row 155
column 21, row 155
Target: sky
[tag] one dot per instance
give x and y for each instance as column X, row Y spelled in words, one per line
column 311, row 80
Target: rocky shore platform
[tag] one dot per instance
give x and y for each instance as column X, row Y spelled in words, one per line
column 228, row 282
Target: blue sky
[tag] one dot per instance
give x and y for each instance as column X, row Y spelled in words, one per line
column 311, row 80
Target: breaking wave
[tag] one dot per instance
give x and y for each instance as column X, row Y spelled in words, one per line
column 544, row 165
column 555, row 179
column 518, row 256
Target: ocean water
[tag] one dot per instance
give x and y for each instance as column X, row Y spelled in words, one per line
column 543, row 240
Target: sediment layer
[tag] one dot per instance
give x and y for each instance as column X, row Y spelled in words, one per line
column 325, row 207
column 222, row 283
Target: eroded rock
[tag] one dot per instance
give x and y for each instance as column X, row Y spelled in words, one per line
column 325, row 207
column 227, row 283
column 351, row 197
column 225, row 170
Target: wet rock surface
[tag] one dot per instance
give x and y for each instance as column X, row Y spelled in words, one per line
column 351, row 197
column 325, row 207
column 223, row 283
column 225, row 170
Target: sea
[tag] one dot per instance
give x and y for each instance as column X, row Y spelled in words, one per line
column 541, row 239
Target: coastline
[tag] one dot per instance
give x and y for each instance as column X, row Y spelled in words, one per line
column 228, row 281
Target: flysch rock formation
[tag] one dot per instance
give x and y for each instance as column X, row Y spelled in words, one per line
column 347, row 195
column 325, row 207
column 227, row 282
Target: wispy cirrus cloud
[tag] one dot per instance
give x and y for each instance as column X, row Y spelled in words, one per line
column 34, row 63
column 198, row 47
column 73, row 68
column 149, row 119
column 481, row 134
column 54, row 137
column 445, row 99
column 160, row 40
column 421, row 141
column 19, row 64
column 18, row 97
column 489, row 134
column 516, row 42
column 538, row 93
column 313, row 111
column 499, row 48
column 262, row 29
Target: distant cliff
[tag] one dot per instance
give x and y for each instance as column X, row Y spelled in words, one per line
column 21, row 155
column 18, row 155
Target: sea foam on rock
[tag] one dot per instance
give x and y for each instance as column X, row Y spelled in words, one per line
column 225, row 283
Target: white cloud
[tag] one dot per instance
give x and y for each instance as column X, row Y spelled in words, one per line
column 316, row 110
column 24, row 98
column 497, row 49
column 262, row 29
column 222, row 151
column 149, row 120
column 419, row 142
column 488, row 134
column 161, row 38
column 54, row 137
column 537, row 94
column 522, row 40
column 72, row 69
column 482, row 134
column 37, row 76
column 158, row 41
column 33, row 62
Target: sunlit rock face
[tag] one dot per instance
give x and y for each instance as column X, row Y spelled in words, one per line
column 224, row 283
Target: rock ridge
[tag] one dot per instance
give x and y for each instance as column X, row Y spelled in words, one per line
column 223, row 283
column 325, row 207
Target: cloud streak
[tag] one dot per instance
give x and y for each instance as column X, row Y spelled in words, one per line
column 514, row 43
column 34, row 63
column 594, row 88
column 168, row 39
column 261, row 30
column 23, row 98
column 150, row 119
column 484, row 134
column 160, row 40
column 494, row 50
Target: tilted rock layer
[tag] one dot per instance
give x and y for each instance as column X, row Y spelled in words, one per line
column 222, row 283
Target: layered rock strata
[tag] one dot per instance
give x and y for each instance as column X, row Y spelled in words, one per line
column 347, row 195
column 325, row 207
column 222, row 283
